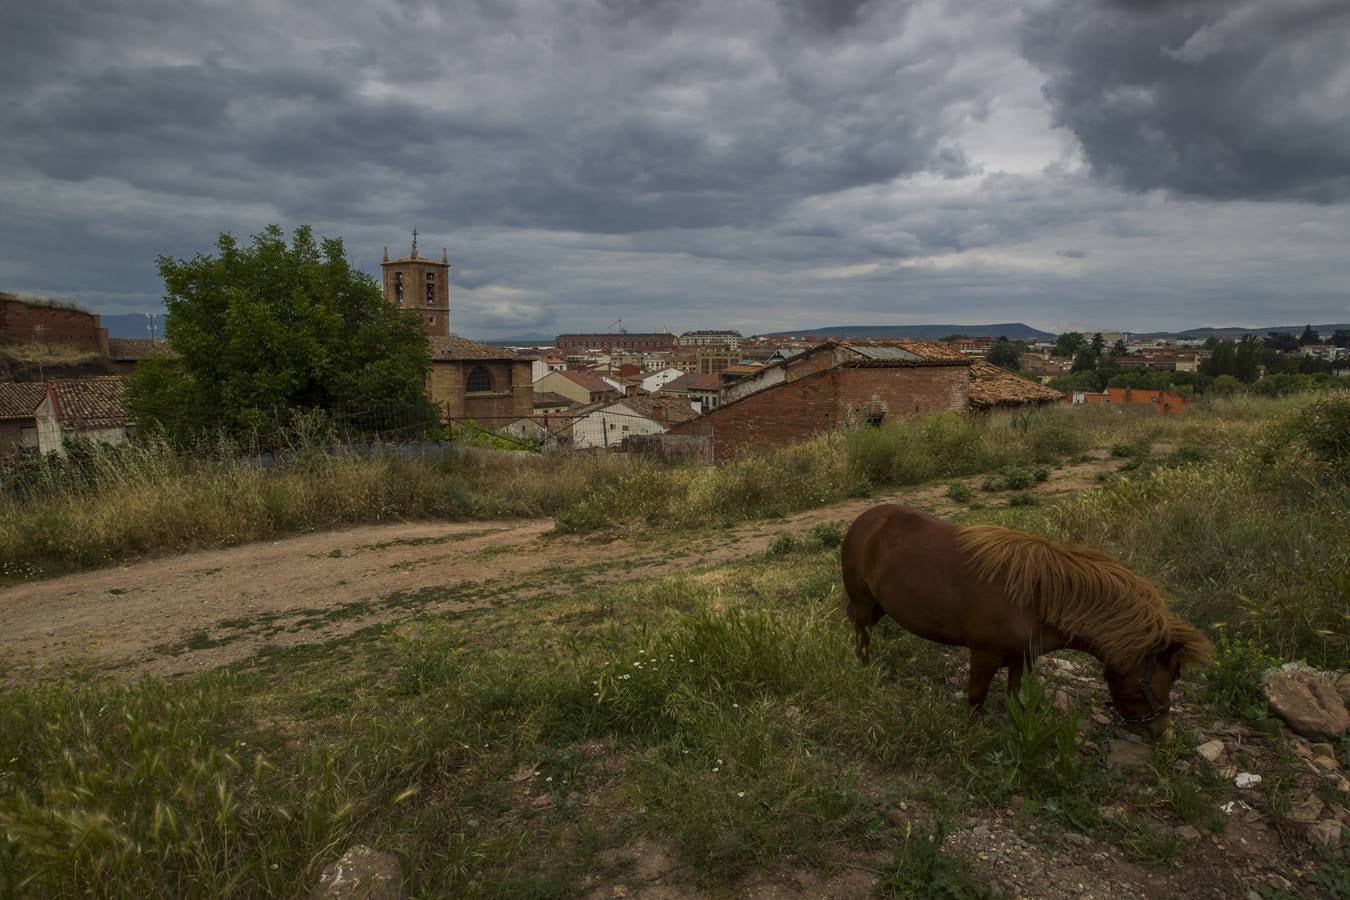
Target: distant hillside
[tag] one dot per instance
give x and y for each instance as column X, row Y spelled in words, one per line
column 1014, row 331
column 131, row 325
column 522, row 340
column 1234, row 332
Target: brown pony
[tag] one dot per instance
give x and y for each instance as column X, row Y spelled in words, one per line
column 1009, row 596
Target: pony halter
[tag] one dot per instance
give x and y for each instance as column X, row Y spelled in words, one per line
column 1145, row 689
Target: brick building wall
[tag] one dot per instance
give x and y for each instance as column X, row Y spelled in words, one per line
column 793, row 412
column 24, row 322
column 637, row 342
column 512, row 395
column 423, row 285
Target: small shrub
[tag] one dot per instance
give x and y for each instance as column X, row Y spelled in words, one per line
column 1015, row 479
column 783, row 543
column 1323, row 426
column 1041, row 474
column 921, row 869
column 1137, row 449
column 1022, row 498
column 993, row 483
column 827, row 536
column 959, row 491
column 1233, row 682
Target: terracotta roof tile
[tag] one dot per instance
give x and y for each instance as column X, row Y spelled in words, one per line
column 451, row 348
column 588, row 381
column 91, row 402
column 991, row 386
column 130, row 349
column 18, row 400
column 548, row 399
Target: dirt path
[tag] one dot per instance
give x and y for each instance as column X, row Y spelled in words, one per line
column 205, row 609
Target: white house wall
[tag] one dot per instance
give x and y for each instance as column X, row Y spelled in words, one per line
column 609, row 426
column 657, row 380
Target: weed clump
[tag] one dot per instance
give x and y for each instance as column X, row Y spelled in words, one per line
column 959, row 491
column 1233, row 682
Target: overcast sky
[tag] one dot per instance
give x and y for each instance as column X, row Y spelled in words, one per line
column 756, row 164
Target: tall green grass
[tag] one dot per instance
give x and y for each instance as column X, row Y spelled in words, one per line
column 120, row 503
column 1248, row 538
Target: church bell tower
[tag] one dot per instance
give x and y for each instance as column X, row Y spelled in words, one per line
column 415, row 282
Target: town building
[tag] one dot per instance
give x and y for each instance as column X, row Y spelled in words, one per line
column 608, row 424
column 418, row 283
column 624, row 340
column 844, row 384
column 482, row 382
column 1162, row 402
column 579, row 387
column 126, row 354
column 729, row 340
column 44, row 416
column 28, row 321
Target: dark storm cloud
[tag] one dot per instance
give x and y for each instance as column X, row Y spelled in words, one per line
column 579, row 127
column 1208, row 98
column 689, row 163
column 825, row 15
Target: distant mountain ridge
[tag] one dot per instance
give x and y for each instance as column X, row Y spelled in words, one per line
column 1013, row 331
column 1235, row 332
column 131, row 325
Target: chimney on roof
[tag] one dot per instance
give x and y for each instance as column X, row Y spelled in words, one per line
column 386, row 254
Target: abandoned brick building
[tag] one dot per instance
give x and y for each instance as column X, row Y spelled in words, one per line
column 841, row 384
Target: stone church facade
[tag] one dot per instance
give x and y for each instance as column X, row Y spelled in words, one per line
column 468, row 380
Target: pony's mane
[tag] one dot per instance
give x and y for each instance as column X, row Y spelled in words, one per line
column 1084, row 593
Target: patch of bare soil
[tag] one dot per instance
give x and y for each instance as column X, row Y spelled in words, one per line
column 206, row 609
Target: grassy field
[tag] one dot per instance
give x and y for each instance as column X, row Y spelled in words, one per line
column 518, row 750
column 115, row 504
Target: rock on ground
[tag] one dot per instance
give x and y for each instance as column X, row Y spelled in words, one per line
column 361, row 874
column 1308, row 702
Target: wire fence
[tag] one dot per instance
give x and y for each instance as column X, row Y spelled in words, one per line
column 365, row 429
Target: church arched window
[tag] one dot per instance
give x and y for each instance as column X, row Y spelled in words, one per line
column 480, row 381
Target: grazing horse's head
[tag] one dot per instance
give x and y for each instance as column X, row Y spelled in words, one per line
column 1142, row 693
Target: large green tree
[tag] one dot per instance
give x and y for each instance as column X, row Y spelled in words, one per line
column 1006, row 354
column 270, row 327
column 1069, row 343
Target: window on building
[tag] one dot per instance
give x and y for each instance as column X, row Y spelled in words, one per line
column 398, row 287
column 479, row 381
column 874, row 419
column 431, row 288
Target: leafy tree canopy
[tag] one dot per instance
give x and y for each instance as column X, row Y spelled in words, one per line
column 1307, row 337
column 1098, row 344
column 1282, row 341
column 1069, row 343
column 269, row 327
column 1084, row 360
column 1006, row 354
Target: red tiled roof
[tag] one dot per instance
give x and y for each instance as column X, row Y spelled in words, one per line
column 692, row 381
column 992, row 386
column 931, row 353
column 549, row 400
column 452, row 349
column 132, row 349
column 90, row 402
column 660, row 409
column 18, row 400
column 588, row 381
